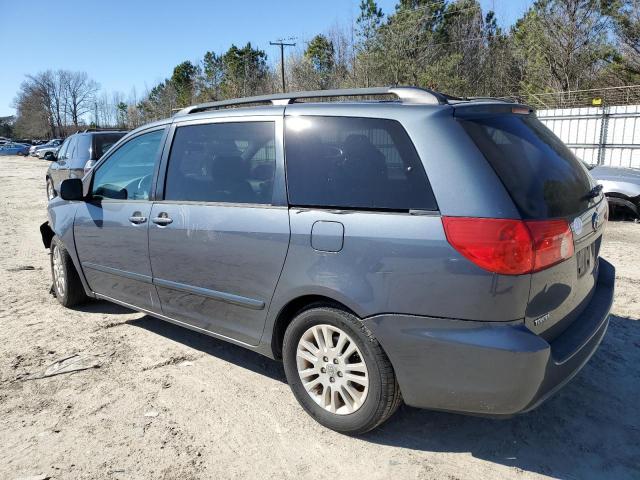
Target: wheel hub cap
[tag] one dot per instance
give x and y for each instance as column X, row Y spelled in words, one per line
column 332, row 369
column 58, row 271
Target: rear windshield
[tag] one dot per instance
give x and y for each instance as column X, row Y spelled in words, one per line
column 103, row 142
column 543, row 177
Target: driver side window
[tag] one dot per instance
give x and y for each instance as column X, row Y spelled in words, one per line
column 127, row 173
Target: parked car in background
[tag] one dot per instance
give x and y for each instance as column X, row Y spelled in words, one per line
column 77, row 155
column 11, row 148
column 621, row 187
column 47, row 153
column 50, row 145
column 438, row 251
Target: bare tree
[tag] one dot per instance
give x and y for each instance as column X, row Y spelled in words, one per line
column 79, row 93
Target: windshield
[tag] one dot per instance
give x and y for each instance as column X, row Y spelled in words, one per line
column 543, row 177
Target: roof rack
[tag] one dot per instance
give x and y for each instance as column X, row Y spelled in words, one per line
column 404, row 94
column 105, row 129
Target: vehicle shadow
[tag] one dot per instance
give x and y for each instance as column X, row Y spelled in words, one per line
column 212, row 346
column 590, row 429
column 102, row 306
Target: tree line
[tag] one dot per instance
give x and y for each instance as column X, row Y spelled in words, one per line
column 449, row 45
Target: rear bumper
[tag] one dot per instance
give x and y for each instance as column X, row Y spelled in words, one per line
column 489, row 368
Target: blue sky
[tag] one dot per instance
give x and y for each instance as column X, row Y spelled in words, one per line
column 123, row 44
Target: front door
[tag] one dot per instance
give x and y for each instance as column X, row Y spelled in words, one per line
column 219, row 238
column 111, row 229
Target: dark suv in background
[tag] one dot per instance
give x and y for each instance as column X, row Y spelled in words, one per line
column 75, row 152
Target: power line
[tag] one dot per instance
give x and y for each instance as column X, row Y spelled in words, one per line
column 282, row 43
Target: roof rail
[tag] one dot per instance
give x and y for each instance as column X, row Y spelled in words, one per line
column 405, row 94
column 103, row 129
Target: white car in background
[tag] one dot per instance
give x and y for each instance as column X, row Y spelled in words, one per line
column 51, row 144
column 622, row 188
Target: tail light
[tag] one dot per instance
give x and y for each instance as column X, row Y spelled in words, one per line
column 552, row 242
column 510, row 247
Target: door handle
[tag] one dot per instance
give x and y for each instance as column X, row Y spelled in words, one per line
column 162, row 219
column 137, row 218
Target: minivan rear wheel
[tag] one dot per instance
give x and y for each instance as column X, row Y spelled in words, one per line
column 338, row 371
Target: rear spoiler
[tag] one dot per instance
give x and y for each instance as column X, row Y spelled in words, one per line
column 480, row 109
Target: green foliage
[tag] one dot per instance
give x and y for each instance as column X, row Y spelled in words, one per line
column 627, row 28
column 449, row 45
column 244, row 69
column 320, row 53
column 369, row 21
column 6, row 126
column 183, row 80
column 562, row 45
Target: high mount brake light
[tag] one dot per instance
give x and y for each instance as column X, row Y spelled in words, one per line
column 510, row 247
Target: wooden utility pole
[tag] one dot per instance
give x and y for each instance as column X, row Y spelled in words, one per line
column 281, row 43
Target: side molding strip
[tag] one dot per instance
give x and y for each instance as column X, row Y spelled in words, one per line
column 216, row 295
column 205, row 292
column 116, row 271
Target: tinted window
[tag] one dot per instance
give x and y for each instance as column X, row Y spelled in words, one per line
column 104, row 142
column 543, row 177
column 71, row 149
column 63, row 149
column 83, row 148
column 222, row 162
column 354, row 163
column 128, row 172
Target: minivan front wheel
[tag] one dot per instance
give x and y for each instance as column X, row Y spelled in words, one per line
column 51, row 191
column 66, row 283
column 338, row 371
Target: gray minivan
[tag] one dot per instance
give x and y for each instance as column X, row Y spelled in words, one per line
column 422, row 248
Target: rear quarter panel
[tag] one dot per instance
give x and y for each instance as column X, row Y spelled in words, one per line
column 394, row 263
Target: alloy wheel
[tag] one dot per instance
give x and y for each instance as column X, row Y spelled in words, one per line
column 332, row 369
column 50, row 191
column 58, row 271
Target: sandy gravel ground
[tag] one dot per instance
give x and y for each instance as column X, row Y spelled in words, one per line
column 168, row 403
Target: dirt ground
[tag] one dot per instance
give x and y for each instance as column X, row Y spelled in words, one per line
column 168, row 403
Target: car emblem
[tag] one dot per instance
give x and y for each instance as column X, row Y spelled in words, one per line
column 595, row 220
column 539, row 321
column 576, row 226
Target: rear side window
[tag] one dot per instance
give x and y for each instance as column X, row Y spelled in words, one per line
column 103, row 142
column 222, row 162
column 543, row 177
column 359, row 163
column 83, row 149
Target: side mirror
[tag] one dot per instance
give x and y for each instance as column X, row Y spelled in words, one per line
column 71, row 189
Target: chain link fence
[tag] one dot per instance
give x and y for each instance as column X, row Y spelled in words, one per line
column 601, row 126
column 601, row 97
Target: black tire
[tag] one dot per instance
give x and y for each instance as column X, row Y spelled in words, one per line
column 73, row 292
column 48, row 156
column 383, row 397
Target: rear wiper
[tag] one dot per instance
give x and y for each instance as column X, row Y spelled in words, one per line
column 594, row 192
